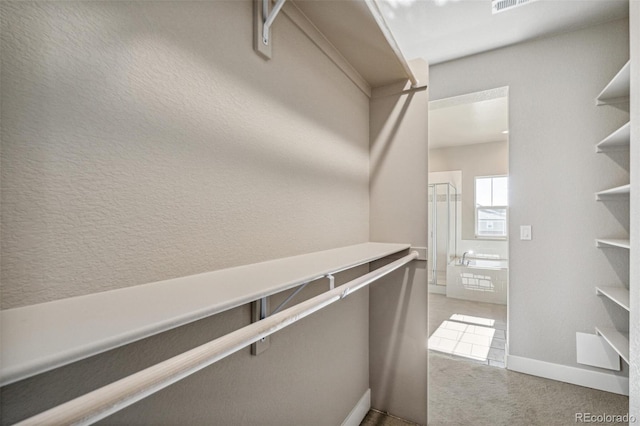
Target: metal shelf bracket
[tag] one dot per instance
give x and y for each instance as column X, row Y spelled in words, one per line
column 261, row 311
column 269, row 17
column 263, row 20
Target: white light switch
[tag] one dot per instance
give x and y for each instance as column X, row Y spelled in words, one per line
column 525, row 232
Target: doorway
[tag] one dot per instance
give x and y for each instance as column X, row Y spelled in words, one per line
column 468, row 227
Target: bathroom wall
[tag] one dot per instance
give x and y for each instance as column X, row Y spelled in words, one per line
column 554, row 173
column 485, row 159
column 146, row 140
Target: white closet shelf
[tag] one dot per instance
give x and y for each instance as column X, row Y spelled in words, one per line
column 616, row 141
column 609, row 242
column 617, row 91
column 374, row 54
column 614, row 193
column 39, row 338
column 619, row 341
column 618, row 295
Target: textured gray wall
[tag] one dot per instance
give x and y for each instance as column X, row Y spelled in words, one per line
column 398, row 303
column 554, row 173
column 634, row 283
column 146, row 140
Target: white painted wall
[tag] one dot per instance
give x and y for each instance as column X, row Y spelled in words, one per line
column 554, row 173
column 634, row 282
column 146, row 140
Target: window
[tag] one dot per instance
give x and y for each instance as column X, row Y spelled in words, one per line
column 491, row 206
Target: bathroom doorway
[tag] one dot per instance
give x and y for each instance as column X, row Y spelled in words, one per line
column 468, row 254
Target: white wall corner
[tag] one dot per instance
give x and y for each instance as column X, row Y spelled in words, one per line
column 563, row 373
column 360, row 410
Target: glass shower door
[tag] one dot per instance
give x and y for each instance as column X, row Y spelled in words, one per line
column 431, row 253
column 442, row 230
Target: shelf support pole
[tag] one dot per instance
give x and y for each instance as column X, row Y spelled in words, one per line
column 332, row 281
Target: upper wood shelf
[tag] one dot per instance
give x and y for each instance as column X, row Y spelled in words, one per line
column 45, row 336
column 617, row 91
column 616, row 141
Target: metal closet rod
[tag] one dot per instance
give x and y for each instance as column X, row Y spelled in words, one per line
column 102, row 402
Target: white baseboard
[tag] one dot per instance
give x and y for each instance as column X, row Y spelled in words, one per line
column 359, row 412
column 564, row 373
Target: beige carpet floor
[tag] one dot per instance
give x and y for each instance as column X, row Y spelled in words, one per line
column 466, row 393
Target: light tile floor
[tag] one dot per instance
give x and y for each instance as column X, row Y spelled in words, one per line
column 472, row 330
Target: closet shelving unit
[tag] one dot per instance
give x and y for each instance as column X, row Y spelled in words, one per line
column 64, row 331
column 68, row 330
column 616, row 92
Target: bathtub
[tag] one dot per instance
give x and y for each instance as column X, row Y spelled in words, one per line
column 487, row 263
column 481, row 280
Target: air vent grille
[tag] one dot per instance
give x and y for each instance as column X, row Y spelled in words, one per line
column 498, row 6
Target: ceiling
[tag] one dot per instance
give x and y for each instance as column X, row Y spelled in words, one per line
column 442, row 30
column 467, row 121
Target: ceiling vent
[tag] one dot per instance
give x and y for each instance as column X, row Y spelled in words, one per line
column 498, row 6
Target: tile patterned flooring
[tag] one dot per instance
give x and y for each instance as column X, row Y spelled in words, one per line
column 472, row 330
